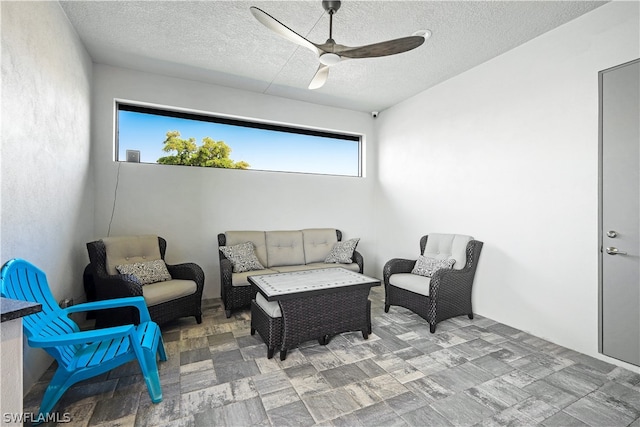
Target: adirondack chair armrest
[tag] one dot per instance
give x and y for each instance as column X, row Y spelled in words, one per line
column 82, row 337
column 137, row 302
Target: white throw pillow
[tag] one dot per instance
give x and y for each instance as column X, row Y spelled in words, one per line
column 426, row 266
column 242, row 256
column 342, row 252
column 146, row 272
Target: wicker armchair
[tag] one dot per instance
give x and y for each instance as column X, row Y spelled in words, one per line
column 444, row 295
column 101, row 285
column 240, row 296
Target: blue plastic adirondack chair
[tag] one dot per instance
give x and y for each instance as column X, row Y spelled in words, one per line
column 82, row 355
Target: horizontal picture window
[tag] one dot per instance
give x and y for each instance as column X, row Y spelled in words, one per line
column 163, row 136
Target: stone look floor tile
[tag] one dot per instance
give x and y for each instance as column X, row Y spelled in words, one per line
column 426, row 364
column 201, row 400
column 461, row 377
column 309, row 385
column 596, row 414
column 461, row 410
column 492, row 365
column 114, row 409
column 279, row 398
column 536, row 409
column 428, row 389
column 426, row 416
column 406, row 402
column 293, row 414
column 407, row 374
column 619, row 397
column 192, row 381
column 323, row 361
column 470, row 372
column 331, row 404
column 497, row 394
column 379, row 414
column 550, row 394
column 362, row 394
column 448, row 357
column 343, row 375
column 562, row 419
column 510, row 417
column 152, row 415
column 271, row 382
column 385, row 386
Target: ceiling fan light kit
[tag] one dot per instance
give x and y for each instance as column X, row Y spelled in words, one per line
column 423, row 33
column 330, row 53
column 329, row 59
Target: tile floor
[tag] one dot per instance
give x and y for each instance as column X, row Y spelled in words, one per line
column 470, row 373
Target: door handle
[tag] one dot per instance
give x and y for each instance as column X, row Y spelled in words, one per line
column 615, row 251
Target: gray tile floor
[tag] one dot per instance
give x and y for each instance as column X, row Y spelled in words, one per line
column 469, row 373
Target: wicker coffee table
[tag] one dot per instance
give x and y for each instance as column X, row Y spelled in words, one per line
column 317, row 304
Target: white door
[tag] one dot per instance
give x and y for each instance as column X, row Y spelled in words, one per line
column 620, row 212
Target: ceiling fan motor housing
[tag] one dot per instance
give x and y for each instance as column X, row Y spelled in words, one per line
column 331, row 6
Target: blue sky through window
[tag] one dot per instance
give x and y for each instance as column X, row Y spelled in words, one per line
column 263, row 149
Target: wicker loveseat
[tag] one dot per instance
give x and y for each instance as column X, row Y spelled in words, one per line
column 181, row 296
column 277, row 252
column 443, row 294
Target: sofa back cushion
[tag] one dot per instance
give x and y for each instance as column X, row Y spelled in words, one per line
column 448, row 246
column 318, row 243
column 130, row 249
column 284, row 248
column 255, row 237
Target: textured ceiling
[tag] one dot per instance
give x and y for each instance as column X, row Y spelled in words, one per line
column 220, row 42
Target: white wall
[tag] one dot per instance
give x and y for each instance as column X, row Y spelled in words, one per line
column 189, row 206
column 47, row 201
column 508, row 152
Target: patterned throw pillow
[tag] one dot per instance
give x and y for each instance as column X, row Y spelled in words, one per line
column 242, row 257
column 427, row 266
column 342, row 252
column 146, row 272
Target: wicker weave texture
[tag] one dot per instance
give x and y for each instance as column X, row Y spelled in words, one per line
column 449, row 290
column 269, row 328
column 329, row 314
column 126, row 285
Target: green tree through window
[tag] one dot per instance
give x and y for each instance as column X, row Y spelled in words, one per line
column 211, row 154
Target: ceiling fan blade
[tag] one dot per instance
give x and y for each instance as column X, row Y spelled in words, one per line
column 278, row 27
column 390, row 47
column 320, row 78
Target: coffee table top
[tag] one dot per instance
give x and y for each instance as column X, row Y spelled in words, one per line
column 278, row 285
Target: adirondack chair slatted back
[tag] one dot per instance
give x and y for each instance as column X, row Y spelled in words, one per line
column 28, row 283
column 96, row 351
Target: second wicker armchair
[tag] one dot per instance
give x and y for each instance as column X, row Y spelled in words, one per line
column 435, row 294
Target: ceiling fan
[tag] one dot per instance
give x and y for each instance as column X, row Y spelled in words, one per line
column 330, row 53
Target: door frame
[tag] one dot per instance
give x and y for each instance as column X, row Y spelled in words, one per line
column 600, row 200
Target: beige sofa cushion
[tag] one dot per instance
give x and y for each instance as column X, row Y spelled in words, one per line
column 130, row 249
column 443, row 246
column 284, row 248
column 318, row 243
column 157, row 293
column 240, row 279
column 255, row 237
column 288, row 268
